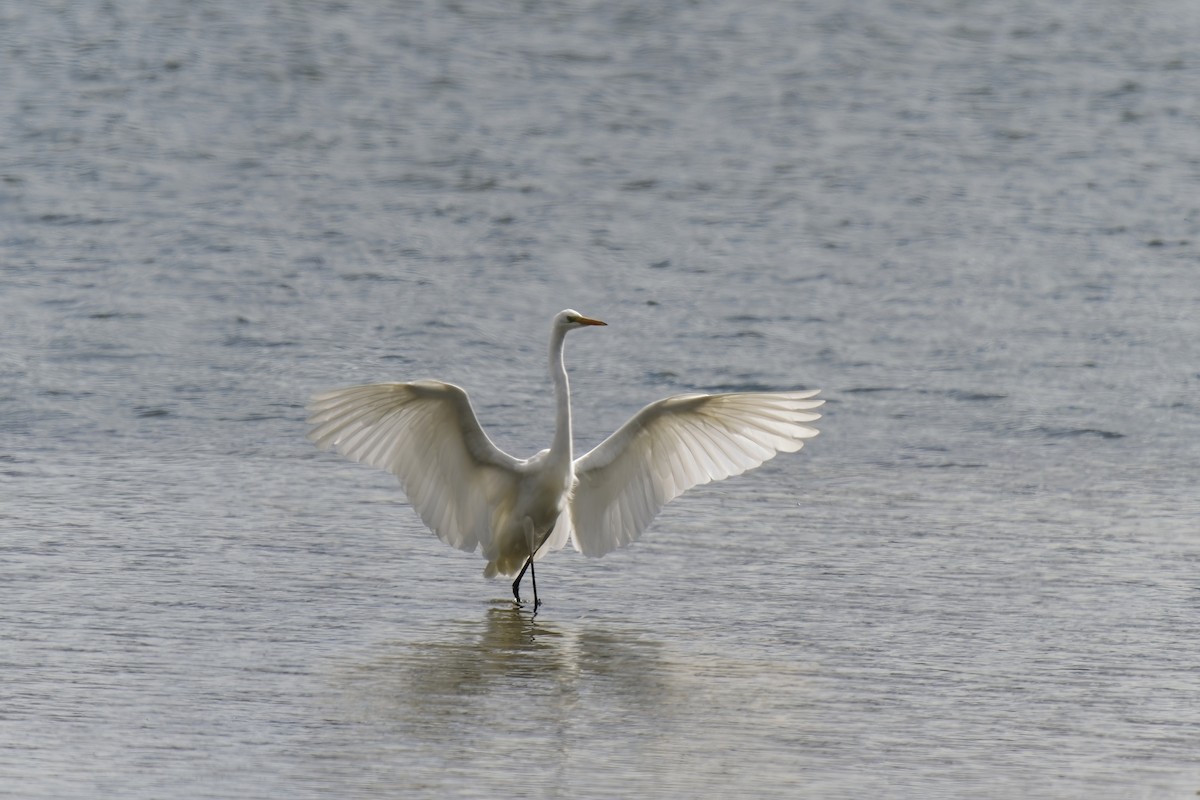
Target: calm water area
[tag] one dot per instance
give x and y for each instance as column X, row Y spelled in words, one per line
column 974, row 226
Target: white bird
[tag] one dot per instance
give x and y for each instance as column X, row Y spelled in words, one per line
column 474, row 495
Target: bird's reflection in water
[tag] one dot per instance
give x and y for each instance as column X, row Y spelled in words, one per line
column 518, row 706
column 512, row 670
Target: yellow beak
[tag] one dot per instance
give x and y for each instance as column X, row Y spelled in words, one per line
column 589, row 321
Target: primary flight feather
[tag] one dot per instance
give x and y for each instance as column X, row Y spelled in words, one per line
column 474, row 495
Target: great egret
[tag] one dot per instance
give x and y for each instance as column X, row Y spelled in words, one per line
column 472, row 494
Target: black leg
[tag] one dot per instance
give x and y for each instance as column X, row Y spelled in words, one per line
column 533, row 580
column 517, row 582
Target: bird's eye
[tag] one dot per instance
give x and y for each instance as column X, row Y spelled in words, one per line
column 572, row 318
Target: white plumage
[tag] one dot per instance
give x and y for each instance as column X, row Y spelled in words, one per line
column 474, row 495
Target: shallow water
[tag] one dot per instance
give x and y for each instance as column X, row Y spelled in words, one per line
column 973, row 227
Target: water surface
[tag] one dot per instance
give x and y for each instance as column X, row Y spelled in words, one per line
column 974, row 227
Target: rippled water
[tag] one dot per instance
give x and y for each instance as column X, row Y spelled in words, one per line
column 973, row 226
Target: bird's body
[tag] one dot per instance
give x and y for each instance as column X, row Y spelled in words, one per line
column 474, row 495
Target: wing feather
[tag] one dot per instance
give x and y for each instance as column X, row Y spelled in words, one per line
column 428, row 436
column 672, row 445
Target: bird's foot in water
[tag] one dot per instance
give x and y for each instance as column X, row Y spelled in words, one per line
column 537, row 601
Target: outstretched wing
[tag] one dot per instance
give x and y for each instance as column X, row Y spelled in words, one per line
column 675, row 444
column 426, row 433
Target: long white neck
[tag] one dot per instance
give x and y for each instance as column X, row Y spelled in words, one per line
column 562, row 445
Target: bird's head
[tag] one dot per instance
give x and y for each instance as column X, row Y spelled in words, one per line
column 572, row 319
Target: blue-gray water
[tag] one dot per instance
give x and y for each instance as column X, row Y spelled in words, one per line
column 975, row 226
